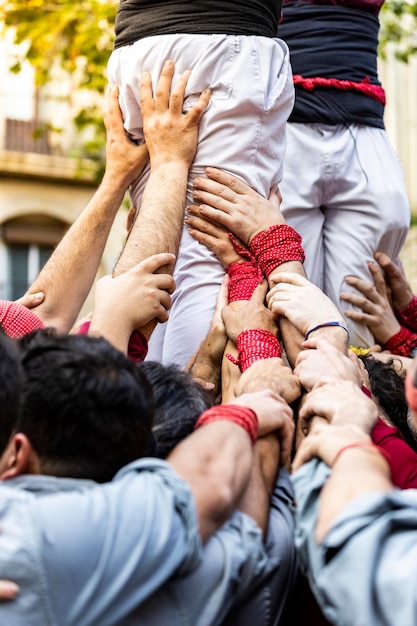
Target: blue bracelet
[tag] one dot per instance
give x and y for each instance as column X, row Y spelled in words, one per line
column 308, row 333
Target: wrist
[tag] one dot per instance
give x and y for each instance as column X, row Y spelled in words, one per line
column 244, row 277
column 275, row 246
column 117, row 181
column 175, row 164
column 407, row 314
column 387, row 334
column 402, row 342
column 358, row 450
column 244, row 417
column 255, row 344
column 324, row 326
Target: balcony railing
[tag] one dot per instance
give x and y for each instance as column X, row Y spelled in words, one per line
column 27, row 136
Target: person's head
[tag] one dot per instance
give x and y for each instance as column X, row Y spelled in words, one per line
column 387, row 387
column 86, row 409
column 411, row 395
column 179, row 402
column 11, row 377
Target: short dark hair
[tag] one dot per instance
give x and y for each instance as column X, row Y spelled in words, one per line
column 179, row 402
column 11, row 377
column 387, row 385
column 86, row 408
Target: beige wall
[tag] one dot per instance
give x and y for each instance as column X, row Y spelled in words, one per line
column 63, row 201
column 400, row 82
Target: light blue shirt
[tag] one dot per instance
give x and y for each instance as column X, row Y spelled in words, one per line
column 91, row 555
column 125, row 553
column 364, row 573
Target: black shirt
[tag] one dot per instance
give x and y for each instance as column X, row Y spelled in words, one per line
column 137, row 19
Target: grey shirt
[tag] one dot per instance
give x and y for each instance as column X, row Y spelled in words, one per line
column 364, row 573
column 121, row 554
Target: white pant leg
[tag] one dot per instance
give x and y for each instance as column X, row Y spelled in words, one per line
column 242, row 131
column 369, row 211
column 302, row 194
column 364, row 204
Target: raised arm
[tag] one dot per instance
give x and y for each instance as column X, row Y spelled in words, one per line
column 171, row 137
column 69, row 274
column 131, row 300
column 216, row 460
column 344, row 445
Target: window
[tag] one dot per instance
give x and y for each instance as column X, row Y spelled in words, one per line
column 27, row 243
column 24, row 264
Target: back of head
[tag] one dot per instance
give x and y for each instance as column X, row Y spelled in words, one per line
column 10, row 388
column 86, row 408
column 387, row 386
column 179, row 403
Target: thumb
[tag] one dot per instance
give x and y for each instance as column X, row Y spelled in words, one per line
column 154, row 262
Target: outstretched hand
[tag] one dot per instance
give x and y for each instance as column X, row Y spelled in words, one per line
column 400, row 290
column 215, row 237
column 301, row 302
column 231, row 203
column 170, row 133
column 132, row 299
column 374, row 304
column 124, row 159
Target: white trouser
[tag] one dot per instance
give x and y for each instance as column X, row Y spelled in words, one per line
column 242, row 131
column 343, row 190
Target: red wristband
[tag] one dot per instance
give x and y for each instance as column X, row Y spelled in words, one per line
column 279, row 244
column 241, row 415
column 253, row 345
column 408, row 314
column 243, row 280
column 402, row 343
column 361, row 444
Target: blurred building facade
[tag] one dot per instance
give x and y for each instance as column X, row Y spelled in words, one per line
column 44, row 184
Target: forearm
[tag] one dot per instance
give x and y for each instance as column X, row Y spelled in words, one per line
column 290, row 336
column 358, row 471
column 158, row 226
column 256, row 498
column 117, row 334
column 69, row 274
column 206, row 363
column 216, row 461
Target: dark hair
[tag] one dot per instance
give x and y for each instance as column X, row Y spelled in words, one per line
column 387, row 385
column 86, row 408
column 11, row 378
column 179, row 403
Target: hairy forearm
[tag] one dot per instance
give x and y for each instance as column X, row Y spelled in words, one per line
column 158, row 226
column 358, row 471
column 69, row 274
column 216, row 461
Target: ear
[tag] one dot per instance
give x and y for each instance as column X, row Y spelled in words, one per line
column 18, row 457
